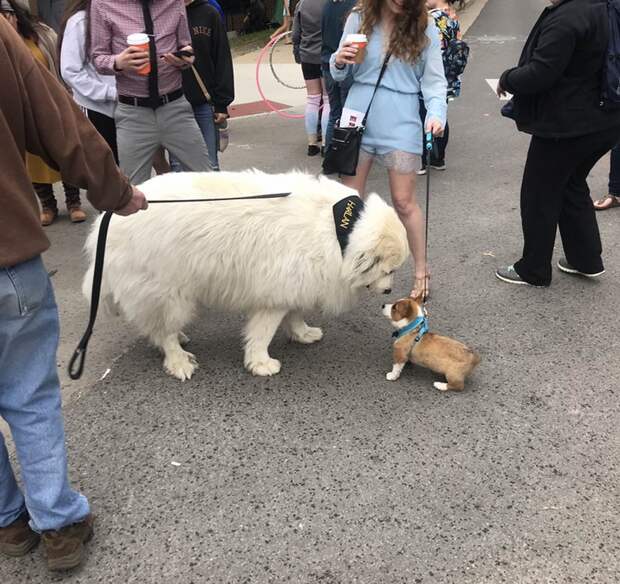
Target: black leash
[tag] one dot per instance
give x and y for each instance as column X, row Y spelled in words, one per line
column 430, row 144
column 76, row 363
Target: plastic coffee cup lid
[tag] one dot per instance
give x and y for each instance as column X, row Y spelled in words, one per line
column 357, row 38
column 138, row 38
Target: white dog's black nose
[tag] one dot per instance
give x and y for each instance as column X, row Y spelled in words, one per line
column 383, row 307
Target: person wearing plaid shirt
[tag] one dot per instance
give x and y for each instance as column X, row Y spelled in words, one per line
column 152, row 109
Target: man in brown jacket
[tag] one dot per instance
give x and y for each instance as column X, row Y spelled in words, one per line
column 38, row 115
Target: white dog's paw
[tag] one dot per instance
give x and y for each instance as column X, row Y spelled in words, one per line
column 264, row 368
column 440, row 386
column 391, row 376
column 311, row 334
column 180, row 364
column 183, row 338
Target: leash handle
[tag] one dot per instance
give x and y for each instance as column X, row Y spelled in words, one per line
column 429, row 141
column 76, row 363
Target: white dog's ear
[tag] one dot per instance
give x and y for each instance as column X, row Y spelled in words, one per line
column 364, row 262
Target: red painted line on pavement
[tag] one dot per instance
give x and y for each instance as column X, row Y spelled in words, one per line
column 253, row 108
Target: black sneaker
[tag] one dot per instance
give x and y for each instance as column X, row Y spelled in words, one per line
column 422, row 171
column 439, row 165
column 313, row 150
column 564, row 266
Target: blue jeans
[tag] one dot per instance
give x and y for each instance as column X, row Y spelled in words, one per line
column 337, row 93
column 211, row 135
column 30, row 402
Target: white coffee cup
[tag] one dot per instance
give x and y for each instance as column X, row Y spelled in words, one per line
column 360, row 42
column 140, row 40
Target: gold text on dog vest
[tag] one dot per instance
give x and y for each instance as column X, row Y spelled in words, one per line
column 346, row 216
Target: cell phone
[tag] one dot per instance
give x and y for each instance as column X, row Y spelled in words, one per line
column 180, row 54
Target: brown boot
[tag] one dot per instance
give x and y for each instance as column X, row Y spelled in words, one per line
column 65, row 547
column 72, row 200
column 76, row 214
column 17, row 539
column 49, row 209
column 48, row 216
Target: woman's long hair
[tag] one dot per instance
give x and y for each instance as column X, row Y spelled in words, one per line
column 408, row 38
column 26, row 22
column 72, row 7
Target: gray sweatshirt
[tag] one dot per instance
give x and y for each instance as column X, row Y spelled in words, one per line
column 307, row 39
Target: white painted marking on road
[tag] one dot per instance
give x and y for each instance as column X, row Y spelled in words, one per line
column 107, row 371
column 493, row 85
column 175, row 463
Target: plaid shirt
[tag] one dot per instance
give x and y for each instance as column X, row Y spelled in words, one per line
column 112, row 22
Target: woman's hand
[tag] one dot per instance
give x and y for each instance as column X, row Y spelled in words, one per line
column 346, row 55
column 435, row 127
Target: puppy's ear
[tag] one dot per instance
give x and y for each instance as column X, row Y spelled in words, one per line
column 402, row 309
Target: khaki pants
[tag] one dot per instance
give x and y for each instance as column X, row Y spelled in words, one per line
column 140, row 131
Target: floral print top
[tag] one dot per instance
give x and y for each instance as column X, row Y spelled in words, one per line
column 450, row 30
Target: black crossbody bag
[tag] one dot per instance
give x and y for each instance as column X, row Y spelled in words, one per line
column 343, row 153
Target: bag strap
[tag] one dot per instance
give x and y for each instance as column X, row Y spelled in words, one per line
column 201, row 84
column 385, row 64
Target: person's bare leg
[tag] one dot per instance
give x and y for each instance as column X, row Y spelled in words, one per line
column 402, row 187
column 358, row 182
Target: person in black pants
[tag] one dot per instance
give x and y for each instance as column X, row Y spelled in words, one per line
column 612, row 198
column 557, row 95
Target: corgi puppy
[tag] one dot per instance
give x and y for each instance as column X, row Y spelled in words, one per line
column 414, row 343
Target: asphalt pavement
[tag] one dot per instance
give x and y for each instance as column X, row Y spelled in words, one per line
column 328, row 473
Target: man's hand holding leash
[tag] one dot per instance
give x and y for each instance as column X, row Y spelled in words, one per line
column 137, row 203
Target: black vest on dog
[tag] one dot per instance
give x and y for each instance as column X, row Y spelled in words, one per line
column 346, row 213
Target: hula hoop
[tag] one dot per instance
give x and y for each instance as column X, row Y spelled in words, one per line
column 268, row 103
column 273, row 70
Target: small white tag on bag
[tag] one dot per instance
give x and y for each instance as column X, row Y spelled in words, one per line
column 351, row 118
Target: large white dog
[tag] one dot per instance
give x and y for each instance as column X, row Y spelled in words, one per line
column 273, row 259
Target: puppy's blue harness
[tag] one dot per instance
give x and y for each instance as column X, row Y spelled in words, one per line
column 420, row 323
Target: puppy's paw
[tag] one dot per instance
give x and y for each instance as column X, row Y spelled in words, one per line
column 264, row 368
column 311, row 334
column 183, row 338
column 391, row 376
column 180, row 364
column 440, row 386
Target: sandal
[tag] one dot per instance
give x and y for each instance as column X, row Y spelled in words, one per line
column 607, row 202
column 422, row 288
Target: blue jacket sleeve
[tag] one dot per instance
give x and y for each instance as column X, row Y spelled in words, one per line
column 433, row 81
column 352, row 26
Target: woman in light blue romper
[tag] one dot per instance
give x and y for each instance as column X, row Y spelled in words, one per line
column 393, row 131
